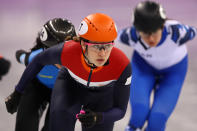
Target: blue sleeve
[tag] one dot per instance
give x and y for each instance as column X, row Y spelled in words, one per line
column 22, row 58
column 26, row 57
column 33, row 54
column 128, row 35
column 121, row 97
column 182, row 33
column 123, row 37
column 48, row 57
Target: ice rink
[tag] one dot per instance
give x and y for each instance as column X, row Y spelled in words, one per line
column 20, row 21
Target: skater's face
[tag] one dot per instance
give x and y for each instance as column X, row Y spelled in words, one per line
column 152, row 39
column 98, row 54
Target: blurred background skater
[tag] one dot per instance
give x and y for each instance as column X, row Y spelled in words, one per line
column 37, row 93
column 4, row 66
column 159, row 64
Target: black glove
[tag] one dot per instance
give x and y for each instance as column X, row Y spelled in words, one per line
column 90, row 118
column 4, row 66
column 12, row 101
column 18, row 54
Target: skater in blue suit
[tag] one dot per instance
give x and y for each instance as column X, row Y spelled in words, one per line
column 37, row 93
column 159, row 65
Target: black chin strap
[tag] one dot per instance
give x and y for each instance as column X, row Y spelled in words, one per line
column 92, row 65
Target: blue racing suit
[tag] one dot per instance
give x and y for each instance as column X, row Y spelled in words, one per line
column 165, row 65
column 103, row 89
column 36, row 96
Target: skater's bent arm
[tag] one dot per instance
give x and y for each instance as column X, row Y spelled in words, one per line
column 121, row 97
column 48, row 57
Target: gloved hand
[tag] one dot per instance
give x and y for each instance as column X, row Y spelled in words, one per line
column 4, row 66
column 18, row 54
column 12, row 101
column 89, row 118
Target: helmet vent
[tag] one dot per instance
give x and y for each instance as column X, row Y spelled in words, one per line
column 112, row 24
column 93, row 26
